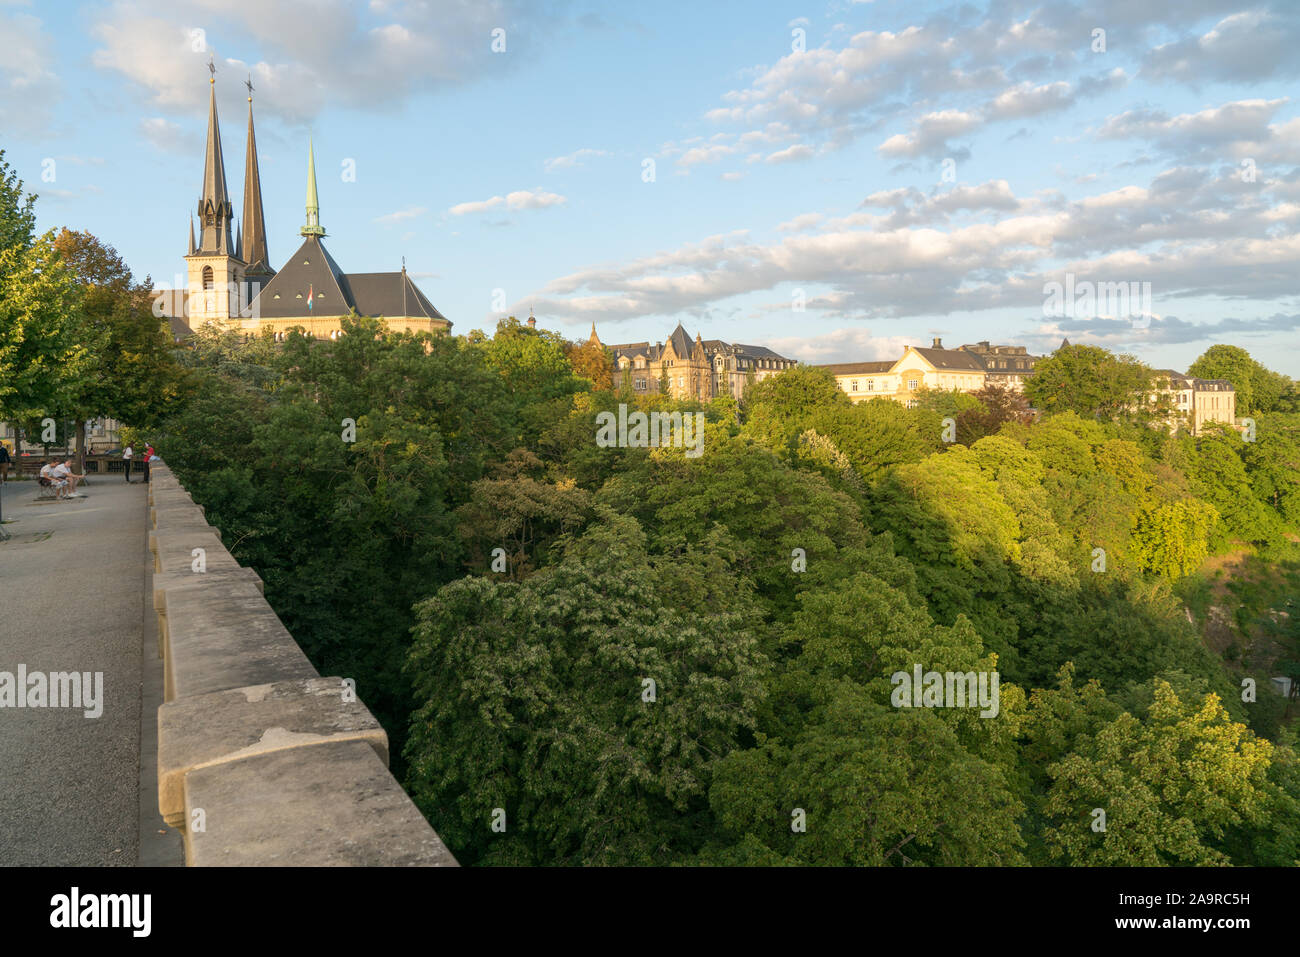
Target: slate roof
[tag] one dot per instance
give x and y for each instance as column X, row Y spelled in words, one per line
column 684, row 346
column 336, row 293
column 950, row 359
column 858, row 368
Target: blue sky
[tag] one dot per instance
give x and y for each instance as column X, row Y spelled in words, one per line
column 830, row 179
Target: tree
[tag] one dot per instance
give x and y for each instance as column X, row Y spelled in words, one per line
column 592, row 361
column 17, row 212
column 1171, row 782
column 588, row 703
column 1258, row 389
column 1091, row 382
column 130, row 374
column 41, row 358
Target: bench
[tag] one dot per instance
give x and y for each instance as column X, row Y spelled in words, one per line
column 46, row 490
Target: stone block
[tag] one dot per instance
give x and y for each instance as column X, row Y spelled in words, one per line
column 210, row 729
column 333, row 804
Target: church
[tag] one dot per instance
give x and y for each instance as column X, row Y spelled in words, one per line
column 230, row 280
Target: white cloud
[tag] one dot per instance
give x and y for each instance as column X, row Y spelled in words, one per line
column 29, row 87
column 165, row 135
column 402, row 214
column 519, row 199
column 574, row 159
column 930, row 135
column 799, row 151
column 313, row 52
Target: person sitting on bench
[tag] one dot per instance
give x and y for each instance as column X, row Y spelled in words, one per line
column 63, row 470
column 48, row 480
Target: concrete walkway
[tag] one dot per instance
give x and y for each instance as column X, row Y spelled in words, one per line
column 72, row 598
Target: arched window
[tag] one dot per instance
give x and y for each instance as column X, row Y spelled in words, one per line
column 207, row 278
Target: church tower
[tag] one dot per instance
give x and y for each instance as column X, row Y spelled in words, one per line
column 216, row 271
column 252, row 248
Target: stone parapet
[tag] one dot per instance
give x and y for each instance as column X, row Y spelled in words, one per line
column 261, row 760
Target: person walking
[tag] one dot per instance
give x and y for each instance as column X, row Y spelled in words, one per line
column 127, row 454
column 4, row 463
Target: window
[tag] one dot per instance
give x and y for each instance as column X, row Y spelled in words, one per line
column 207, row 278
column 871, row 385
column 639, row 385
column 911, row 384
column 855, row 385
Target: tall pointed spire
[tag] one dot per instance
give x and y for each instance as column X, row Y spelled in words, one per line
column 312, row 227
column 215, row 211
column 191, row 251
column 252, row 247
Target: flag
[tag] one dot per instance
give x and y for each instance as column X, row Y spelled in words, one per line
column 309, row 298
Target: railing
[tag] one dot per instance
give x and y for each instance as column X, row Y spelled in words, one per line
column 261, row 761
column 95, row 464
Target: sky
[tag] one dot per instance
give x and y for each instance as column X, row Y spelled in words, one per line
column 833, row 180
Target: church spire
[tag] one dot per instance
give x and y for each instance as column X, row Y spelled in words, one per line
column 252, row 248
column 215, row 211
column 191, row 251
column 312, row 227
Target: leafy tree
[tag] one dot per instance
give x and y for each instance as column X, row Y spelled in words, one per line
column 1258, row 389
column 1091, row 382
column 1171, row 781
column 17, row 214
column 130, row 374
column 533, row 698
column 41, row 359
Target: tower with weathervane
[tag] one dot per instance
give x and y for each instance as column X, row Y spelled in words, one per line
column 216, row 271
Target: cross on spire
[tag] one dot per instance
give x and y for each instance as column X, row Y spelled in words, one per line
column 212, row 68
column 249, row 83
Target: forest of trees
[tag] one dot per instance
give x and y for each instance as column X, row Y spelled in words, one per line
column 645, row 658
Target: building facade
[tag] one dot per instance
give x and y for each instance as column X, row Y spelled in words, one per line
column 1006, row 366
column 230, row 280
column 1197, row 402
column 917, row 369
column 701, row 369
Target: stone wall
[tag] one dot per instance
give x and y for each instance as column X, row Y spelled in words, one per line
column 261, row 761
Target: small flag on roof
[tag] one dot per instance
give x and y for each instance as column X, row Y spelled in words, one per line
column 309, row 297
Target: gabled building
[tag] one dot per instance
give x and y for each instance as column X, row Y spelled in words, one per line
column 700, row 369
column 231, row 281
column 918, row 368
column 1006, row 366
column 1197, row 402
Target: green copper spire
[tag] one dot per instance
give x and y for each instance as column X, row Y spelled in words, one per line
column 313, row 226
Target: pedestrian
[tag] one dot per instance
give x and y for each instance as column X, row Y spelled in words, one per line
column 127, row 454
column 148, row 457
column 4, row 463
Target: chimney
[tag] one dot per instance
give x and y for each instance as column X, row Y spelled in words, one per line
column 938, row 343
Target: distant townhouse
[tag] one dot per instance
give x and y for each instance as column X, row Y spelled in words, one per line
column 1197, row 402
column 700, row 370
column 933, row 368
column 1007, row 366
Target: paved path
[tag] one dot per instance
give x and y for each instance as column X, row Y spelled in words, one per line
column 72, row 591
